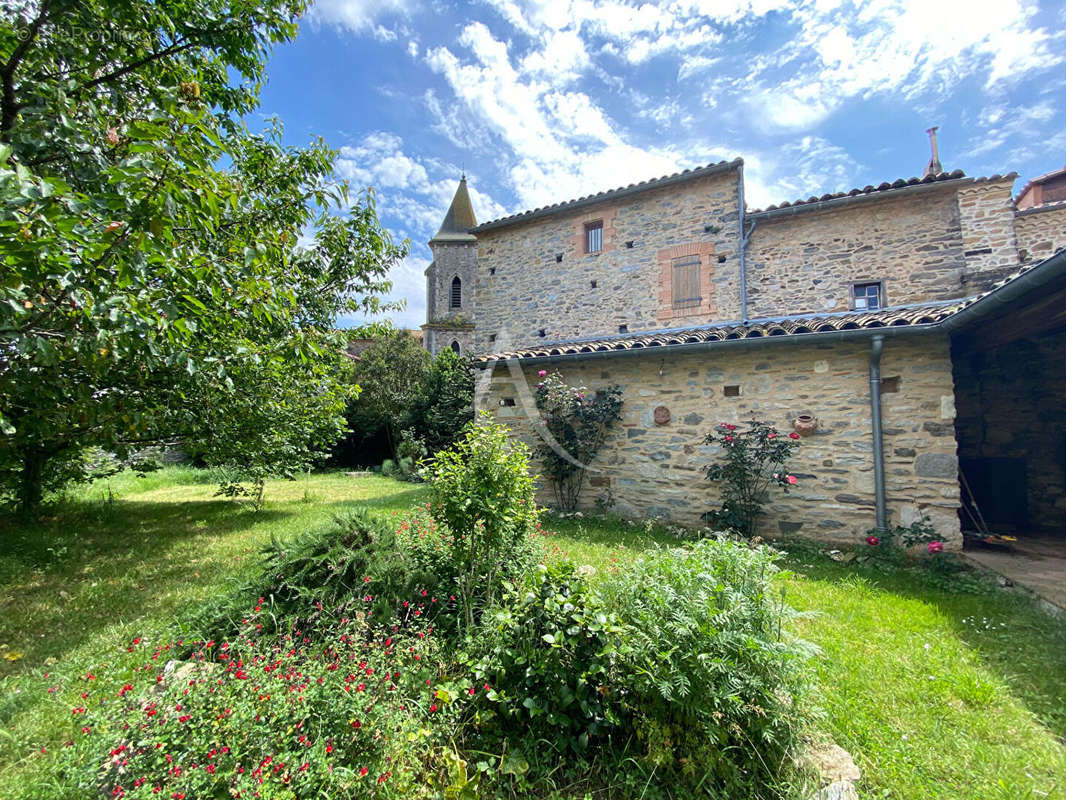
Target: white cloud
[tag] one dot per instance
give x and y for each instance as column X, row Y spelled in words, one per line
column 361, row 15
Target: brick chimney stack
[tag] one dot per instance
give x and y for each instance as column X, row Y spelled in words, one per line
column 934, row 167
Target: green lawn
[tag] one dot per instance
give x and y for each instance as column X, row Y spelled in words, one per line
column 938, row 695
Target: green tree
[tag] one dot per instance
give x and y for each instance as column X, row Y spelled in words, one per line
column 152, row 283
column 390, row 375
column 446, row 403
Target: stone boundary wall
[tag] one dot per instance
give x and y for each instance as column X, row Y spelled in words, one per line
column 986, row 218
column 1041, row 233
column 523, row 289
column 658, row 470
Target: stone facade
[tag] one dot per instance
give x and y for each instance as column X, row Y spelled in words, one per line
column 658, row 470
column 536, row 276
column 1041, row 232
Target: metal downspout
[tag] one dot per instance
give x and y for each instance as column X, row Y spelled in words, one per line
column 741, row 246
column 876, row 348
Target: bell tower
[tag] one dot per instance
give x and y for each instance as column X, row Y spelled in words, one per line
column 451, row 280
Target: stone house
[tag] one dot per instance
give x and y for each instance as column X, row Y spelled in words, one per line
column 920, row 322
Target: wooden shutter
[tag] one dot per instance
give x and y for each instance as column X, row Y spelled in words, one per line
column 686, row 282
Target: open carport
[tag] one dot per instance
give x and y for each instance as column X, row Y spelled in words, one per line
column 1009, row 362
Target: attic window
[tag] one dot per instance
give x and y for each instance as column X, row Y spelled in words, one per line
column 868, row 296
column 594, row 236
column 457, row 293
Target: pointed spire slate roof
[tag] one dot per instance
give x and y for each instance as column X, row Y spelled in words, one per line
column 459, row 219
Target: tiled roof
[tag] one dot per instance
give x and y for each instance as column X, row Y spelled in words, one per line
column 1057, row 204
column 1039, row 179
column 901, row 183
column 902, row 316
column 633, row 188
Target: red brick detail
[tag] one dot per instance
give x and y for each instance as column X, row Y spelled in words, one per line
column 707, row 307
column 605, row 215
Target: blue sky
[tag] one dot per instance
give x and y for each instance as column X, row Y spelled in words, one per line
column 546, row 101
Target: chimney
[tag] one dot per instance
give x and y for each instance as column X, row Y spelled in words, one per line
column 934, row 166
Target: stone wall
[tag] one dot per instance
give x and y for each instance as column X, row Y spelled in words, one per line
column 657, row 470
column 807, row 262
column 1041, row 232
column 447, row 324
column 986, row 219
column 535, row 276
column 1012, row 404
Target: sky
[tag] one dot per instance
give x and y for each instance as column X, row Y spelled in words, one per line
column 545, row 101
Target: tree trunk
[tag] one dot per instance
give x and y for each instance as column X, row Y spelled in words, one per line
column 31, row 486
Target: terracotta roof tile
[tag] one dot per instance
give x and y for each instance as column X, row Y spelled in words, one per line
column 633, row 188
column 927, row 314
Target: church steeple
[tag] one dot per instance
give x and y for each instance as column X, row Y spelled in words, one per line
column 459, row 219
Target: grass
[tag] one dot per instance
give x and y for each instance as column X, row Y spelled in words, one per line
column 937, row 694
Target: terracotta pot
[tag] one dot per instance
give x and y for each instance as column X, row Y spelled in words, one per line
column 805, row 424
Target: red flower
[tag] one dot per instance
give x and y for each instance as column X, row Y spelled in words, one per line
column 936, row 547
column 433, row 707
column 771, row 436
column 873, row 541
column 793, row 435
column 363, row 771
column 791, row 479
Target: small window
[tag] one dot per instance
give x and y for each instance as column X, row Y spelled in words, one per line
column 457, row 293
column 492, row 337
column 890, row 385
column 542, row 333
column 558, row 258
column 731, row 391
column 867, row 296
column 629, row 245
column 507, row 401
column 623, row 329
column 492, row 270
column 686, row 282
column 593, row 284
column 455, row 348
column 594, row 237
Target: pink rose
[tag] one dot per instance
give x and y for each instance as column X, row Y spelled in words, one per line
column 791, row 479
column 731, row 427
column 542, row 373
column 936, row 547
column 771, row 436
column 729, row 438
column 793, row 436
column 873, row 541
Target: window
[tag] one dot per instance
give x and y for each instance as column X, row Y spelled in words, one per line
column 457, row 293
column 731, row 391
column 867, row 296
column 685, row 274
column 594, row 237
column 455, row 348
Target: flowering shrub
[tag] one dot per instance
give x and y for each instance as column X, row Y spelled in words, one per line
column 481, row 490
column 752, row 460
column 578, row 422
column 356, row 712
column 919, row 532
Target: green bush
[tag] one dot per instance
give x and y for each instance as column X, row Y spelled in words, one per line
column 547, row 653
column 481, row 490
column 703, row 670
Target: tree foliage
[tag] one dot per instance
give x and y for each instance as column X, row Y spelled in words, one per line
column 154, row 283
column 390, row 375
column 446, row 402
